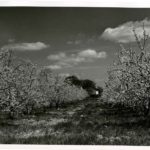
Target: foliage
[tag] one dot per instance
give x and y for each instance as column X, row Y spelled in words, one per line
column 18, row 88
column 129, row 78
column 85, row 84
column 56, row 91
column 73, row 80
column 24, row 88
column 88, row 85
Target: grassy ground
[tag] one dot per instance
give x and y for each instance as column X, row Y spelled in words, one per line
column 86, row 122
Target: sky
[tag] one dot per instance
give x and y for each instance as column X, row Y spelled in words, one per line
column 71, row 41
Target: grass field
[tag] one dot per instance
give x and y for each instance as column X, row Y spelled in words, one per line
column 86, row 122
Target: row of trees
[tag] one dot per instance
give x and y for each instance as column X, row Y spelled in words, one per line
column 24, row 88
column 129, row 78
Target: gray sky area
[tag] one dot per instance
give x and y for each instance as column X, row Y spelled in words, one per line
column 81, row 41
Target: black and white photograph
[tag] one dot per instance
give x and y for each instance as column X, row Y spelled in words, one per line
column 75, row 76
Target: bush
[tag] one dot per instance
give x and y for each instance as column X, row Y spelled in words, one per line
column 129, row 78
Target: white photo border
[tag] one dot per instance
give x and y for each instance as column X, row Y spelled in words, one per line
column 74, row 3
column 78, row 3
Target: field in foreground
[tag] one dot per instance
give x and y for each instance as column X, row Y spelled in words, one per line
column 86, row 122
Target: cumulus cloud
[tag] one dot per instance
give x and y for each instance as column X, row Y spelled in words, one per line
column 124, row 32
column 92, row 54
column 54, row 67
column 26, row 46
column 62, row 60
column 57, row 56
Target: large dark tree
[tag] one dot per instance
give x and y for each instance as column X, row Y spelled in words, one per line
column 88, row 84
column 73, row 80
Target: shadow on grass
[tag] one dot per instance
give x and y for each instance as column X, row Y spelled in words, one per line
column 72, row 138
column 91, row 123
